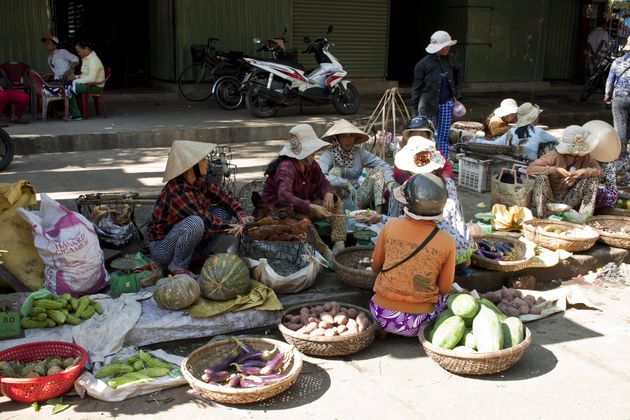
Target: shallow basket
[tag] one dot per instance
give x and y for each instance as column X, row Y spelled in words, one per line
column 471, row 363
column 520, row 263
column 28, row 390
column 329, row 346
column 555, row 241
column 616, row 240
column 215, row 352
column 342, row 262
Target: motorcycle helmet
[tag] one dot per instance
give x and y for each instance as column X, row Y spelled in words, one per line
column 425, row 194
column 418, row 123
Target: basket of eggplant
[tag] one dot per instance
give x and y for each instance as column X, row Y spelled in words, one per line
column 242, row 370
column 501, row 253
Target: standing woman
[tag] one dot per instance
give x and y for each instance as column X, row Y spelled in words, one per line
column 92, row 70
column 344, row 161
column 437, row 80
column 618, row 92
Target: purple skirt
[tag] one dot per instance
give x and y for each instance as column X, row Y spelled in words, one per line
column 402, row 323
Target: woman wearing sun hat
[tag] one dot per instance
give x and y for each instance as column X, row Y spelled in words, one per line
column 344, row 161
column 568, row 174
column 189, row 210
column 295, row 180
column 525, row 136
column 498, row 123
column 437, row 82
column 414, row 260
column 606, row 152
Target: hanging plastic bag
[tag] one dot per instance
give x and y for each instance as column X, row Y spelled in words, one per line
column 69, row 247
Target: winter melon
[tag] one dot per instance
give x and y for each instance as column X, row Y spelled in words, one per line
column 468, row 339
column 465, row 306
column 441, row 318
column 513, row 332
column 485, row 302
column 449, row 332
column 223, row 277
column 487, row 330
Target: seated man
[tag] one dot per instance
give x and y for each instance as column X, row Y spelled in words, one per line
column 11, row 96
column 568, row 174
column 61, row 61
column 498, row 123
column 189, row 209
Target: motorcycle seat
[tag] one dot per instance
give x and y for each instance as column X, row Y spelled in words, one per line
column 286, row 63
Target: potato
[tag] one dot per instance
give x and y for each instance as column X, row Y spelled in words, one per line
column 317, row 333
column 535, row 310
column 511, row 311
column 352, row 313
column 330, row 333
column 518, row 302
column 506, row 294
column 503, row 307
column 325, row 316
column 517, row 293
column 341, row 319
column 530, row 299
column 523, row 309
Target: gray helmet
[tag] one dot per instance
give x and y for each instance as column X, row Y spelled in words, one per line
column 425, row 194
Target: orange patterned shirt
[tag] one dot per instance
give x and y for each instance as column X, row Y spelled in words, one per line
column 413, row 286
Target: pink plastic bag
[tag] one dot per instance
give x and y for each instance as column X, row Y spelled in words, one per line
column 69, row 247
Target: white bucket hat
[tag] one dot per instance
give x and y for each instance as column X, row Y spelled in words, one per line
column 439, row 40
column 345, row 127
column 608, row 144
column 419, row 156
column 576, row 141
column 508, row 106
column 184, row 155
column 527, row 114
column 302, row 142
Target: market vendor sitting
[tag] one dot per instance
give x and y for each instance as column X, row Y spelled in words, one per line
column 498, row 123
column 295, row 180
column 344, row 162
column 567, row 175
column 414, row 260
column 189, row 210
column 529, row 140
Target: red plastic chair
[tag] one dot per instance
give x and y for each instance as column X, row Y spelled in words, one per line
column 15, row 72
column 44, row 100
column 99, row 98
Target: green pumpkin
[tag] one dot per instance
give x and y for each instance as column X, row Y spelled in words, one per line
column 223, row 277
column 176, row 292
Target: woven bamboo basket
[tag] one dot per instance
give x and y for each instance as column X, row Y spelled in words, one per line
column 533, row 230
column 343, row 262
column 214, row 353
column 606, row 225
column 471, row 363
column 329, row 346
column 521, row 262
column 608, row 211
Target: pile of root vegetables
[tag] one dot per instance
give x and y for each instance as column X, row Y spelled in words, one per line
column 512, row 302
column 327, row 320
column 245, row 367
column 273, row 229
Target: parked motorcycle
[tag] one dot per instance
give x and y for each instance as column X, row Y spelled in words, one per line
column 598, row 78
column 275, row 83
column 6, row 150
column 227, row 88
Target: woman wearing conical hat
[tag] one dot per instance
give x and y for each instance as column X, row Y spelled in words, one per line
column 344, row 161
column 189, row 210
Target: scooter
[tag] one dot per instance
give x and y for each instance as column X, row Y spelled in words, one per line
column 7, row 149
column 275, row 83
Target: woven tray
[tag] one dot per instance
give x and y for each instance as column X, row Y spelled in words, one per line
column 215, row 352
column 329, row 346
column 488, row 149
column 474, row 364
column 467, row 125
column 616, row 240
column 555, row 241
column 343, row 261
column 522, row 260
column 608, row 211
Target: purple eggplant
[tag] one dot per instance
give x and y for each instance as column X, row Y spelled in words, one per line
column 248, row 383
column 245, row 349
column 488, row 254
column 269, row 378
column 247, row 370
column 215, row 377
column 254, row 362
column 234, row 381
column 264, row 355
column 225, row 364
column 274, row 364
column 486, row 246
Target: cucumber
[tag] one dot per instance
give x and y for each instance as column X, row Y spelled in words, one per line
column 513, row 332
column 465, row 306
column 487, row 330
column 449, row 332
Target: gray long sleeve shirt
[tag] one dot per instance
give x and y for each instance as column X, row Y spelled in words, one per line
column 362, row 159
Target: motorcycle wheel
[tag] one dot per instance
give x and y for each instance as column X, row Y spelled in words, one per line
column 262, row 108
column 346, row 101
column 227, row 92
column 7, row 150
column 589, row 87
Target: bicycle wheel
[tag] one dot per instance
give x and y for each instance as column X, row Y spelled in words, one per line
column 589, row 87
column 6, row 149
column 195, row 82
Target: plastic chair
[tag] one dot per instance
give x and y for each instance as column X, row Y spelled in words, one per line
column 38, row 85
column 99, row 98
column 15, row 72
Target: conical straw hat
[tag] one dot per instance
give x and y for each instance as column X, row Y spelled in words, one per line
column 608, row 144
column 184, row 155
column 345, row 127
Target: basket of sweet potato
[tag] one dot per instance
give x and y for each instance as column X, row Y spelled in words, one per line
column 328, row 328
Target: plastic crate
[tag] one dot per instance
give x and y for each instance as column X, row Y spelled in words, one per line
column 475, row 174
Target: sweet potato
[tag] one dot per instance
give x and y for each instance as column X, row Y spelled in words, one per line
column 335, row 308
column 341, row 319
column 324, row 325
column 344, row 309
column 352, row 313
column 326, row 307
column 312, row 326
column 523, row 309
column 317, row 333
column 330, row 332
column 362, row 322
column 535, row 310
column 292, row 326
column 511, row 311
column 318, row 310
column 304, row 310
column 517, row 293
column 341, row 329
column 326, row 317
column 304, row 319
column 352, row 325
column 502, row 307
column 530, row 299
column 540, row 300
column 506, row 294
column 518, row 302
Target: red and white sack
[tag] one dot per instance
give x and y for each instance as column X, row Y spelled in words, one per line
column 68, row 245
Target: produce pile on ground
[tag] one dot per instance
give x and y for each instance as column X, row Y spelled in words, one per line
column 65, row 309
column 623, row 203
column 38, row 368
column 620, row 231
column 327, row 320
column 511, row 302
column 364, row 263
column 140, row 367
column 496, row 250
column 276, row 229
column 475, row 326
column 244, row 367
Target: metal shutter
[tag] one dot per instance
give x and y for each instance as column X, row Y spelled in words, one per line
column 360, row 32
